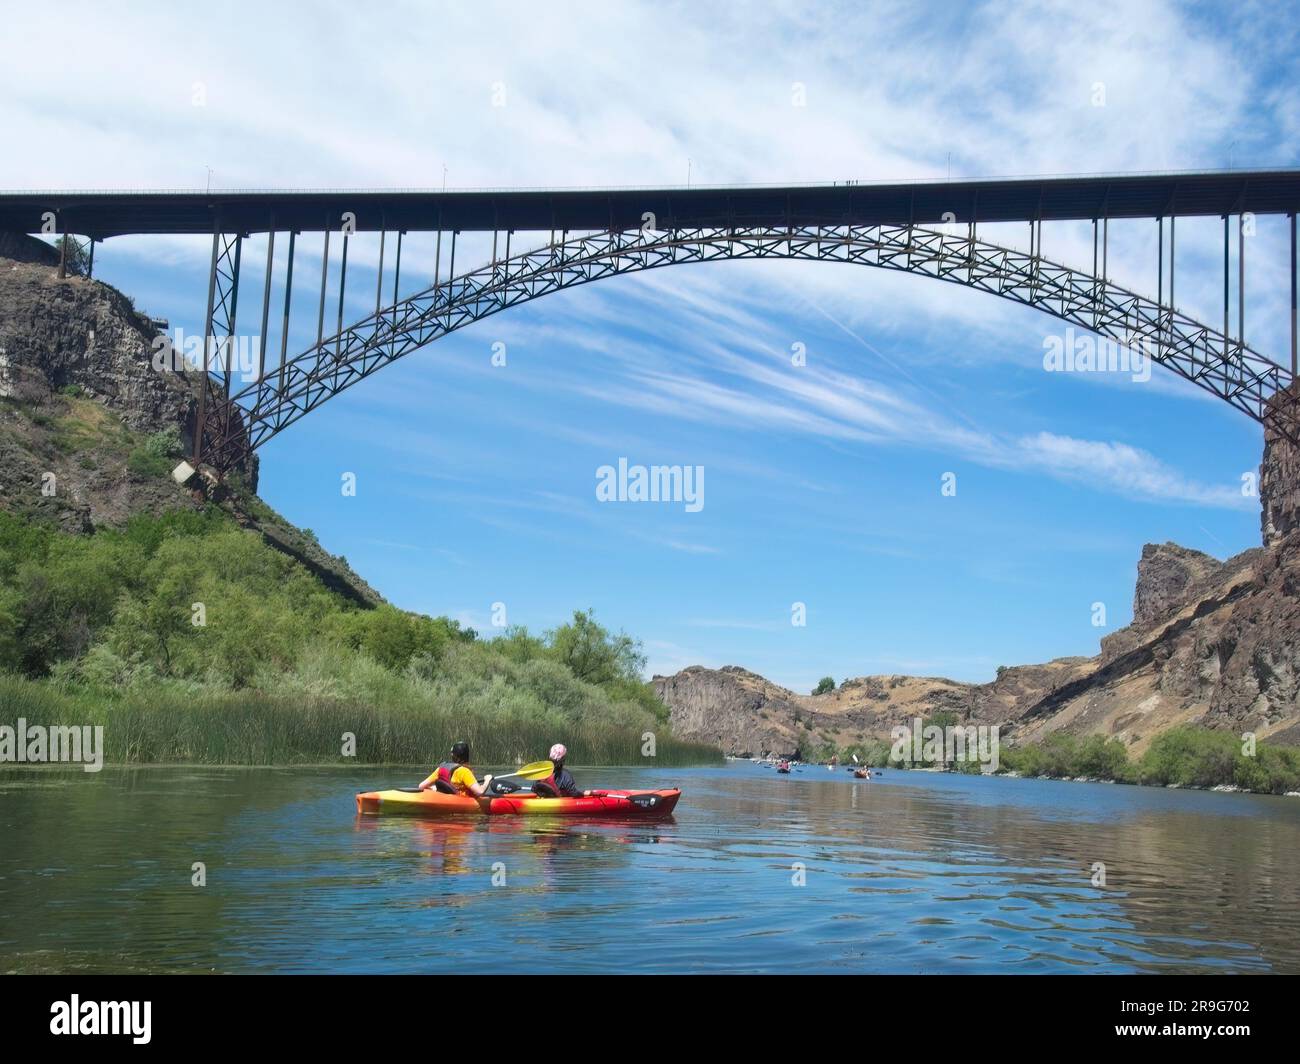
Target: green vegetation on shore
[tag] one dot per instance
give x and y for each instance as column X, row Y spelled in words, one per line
column 1186, row 756
column 190, row 639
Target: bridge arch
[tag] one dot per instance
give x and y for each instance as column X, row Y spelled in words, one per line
column 1212, row 360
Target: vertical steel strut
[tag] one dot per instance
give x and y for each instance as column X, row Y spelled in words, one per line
column 324, row 276
column 343, row 283
column 1227, row 243
column 1173, row 234
column 266, row 300
column 1295, row 324
column 200, row 424
column 219, row 341
column 397, row 266
column 1241, row 279
column 288, row 296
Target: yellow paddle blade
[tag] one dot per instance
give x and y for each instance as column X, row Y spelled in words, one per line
column 538, row 770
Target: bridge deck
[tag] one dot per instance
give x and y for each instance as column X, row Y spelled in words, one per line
column 106, row 214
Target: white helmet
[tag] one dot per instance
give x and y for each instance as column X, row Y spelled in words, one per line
column 559, row 752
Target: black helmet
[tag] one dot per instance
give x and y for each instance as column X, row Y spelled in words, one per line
column 460, row 750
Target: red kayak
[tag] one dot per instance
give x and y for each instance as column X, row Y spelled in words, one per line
column 622, row 805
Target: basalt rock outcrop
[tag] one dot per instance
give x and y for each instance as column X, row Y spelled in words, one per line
column 1279, row 473
column 1214, row 643
column 731, row 708
column 1167, row 577
column 72, row 334
column 81, row 393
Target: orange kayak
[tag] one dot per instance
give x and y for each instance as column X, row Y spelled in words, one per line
column 625, row 805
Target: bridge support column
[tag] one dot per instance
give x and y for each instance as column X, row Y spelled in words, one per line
column 288, row 297
column 1241, row 279
column 1173, row 252
column 324, row 277
column 215, row 428
column 397, row 265
column 266, row 302
column 343, row 284
column 1227, row 272
column 1295, row 324
column 379, row 284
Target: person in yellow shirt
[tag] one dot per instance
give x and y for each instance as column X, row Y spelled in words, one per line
column 455, row 776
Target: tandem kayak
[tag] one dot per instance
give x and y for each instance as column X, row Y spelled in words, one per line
column 624, row 805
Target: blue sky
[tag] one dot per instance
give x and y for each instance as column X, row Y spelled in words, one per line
column 476, row 483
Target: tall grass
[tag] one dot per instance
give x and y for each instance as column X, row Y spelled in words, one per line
column 173, row 723
column 278, row 669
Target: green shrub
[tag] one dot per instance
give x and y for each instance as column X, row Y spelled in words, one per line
column 1187, row 756
column 198, row 641
column 157, row 455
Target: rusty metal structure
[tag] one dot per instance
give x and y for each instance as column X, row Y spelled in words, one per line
column 581, row 236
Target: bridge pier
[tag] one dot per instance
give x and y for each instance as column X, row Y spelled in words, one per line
column 215, row 417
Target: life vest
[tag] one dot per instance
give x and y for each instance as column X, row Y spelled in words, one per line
column 442, row 778
column 547, row 788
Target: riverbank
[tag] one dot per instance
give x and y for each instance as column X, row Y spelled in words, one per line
column 189, row 639
column 173, row 725
column 1188, row 757
column 1220, row 788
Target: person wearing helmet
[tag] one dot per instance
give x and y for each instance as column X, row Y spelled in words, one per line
column 560, row 782
column 455, row 776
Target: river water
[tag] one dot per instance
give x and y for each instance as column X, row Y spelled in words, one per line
column 756, row 872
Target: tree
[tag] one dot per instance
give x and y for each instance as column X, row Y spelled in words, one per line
column 516, row 644
column 592, row 653
column 824, row 685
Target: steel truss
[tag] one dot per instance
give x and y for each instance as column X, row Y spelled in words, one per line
column 1208, row 358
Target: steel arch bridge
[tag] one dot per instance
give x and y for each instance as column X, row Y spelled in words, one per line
column 926, row 228
column 1205, row 356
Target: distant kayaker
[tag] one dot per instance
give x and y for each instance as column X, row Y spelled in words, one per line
column 560, row 783
column 455, row 776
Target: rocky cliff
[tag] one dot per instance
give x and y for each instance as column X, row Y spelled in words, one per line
column 91, row 423
column 1279, row 477
column 1215, row 643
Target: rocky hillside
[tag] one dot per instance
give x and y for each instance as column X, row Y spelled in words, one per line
column 90, row 429
column 1215, row 643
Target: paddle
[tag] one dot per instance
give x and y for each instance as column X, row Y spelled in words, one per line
column 538, row 770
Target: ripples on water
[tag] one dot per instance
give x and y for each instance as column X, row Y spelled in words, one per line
column 911, row 872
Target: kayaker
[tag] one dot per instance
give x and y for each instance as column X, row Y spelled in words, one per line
column 455, row 776
column 559, row 784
